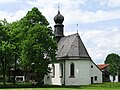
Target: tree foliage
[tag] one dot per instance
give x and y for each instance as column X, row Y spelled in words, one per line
column 6, row 48
column 37, row 45
column 114, row 61
column 27, row 43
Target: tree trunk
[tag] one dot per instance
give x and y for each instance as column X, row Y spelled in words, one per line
column 4, row 70
column 9, row 74
column 4, row 81
column 40, row 79
column 113, row 78
column 14, row 81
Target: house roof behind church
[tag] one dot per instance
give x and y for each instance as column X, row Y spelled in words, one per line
column 103, row 66
column 71, row 47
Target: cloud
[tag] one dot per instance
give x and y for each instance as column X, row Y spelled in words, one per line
column 10, row 17
column 9, row 1
column 110, row 3
column 114, row 3
column 49, row 9
column 91, row 17
column 101, row 42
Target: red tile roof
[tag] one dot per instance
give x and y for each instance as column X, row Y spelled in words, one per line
column 102, row 66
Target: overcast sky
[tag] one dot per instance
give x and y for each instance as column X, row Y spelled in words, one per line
column 98, row 21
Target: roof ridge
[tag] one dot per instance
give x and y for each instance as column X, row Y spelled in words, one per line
column 71, row 43
column 84, row 46
column 76, row 34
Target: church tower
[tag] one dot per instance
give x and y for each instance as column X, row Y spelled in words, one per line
column 58, row 27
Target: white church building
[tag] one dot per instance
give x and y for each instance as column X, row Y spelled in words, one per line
column 74, row 66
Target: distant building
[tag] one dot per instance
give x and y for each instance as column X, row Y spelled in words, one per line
column 74, row 66
column 105, row 72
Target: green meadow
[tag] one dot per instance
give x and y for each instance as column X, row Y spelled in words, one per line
column 104, row 86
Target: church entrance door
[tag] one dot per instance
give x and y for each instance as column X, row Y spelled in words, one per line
column 91, row 80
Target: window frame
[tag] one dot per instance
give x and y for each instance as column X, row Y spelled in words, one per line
column 72, row 70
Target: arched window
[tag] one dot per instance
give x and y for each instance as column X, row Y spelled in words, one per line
column 72, row 71
column 53, row 70
column 61, row 70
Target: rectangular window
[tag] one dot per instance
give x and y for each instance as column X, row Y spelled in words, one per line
column 95, row 78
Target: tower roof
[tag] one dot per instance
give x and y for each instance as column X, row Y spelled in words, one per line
column 59, row 18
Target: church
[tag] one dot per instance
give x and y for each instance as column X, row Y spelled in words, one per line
column 74, row 66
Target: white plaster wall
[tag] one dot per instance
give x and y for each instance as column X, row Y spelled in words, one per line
column 95, row 71
column 116, row 78
column 48, row 78
column 82, row 73
column 56, row 80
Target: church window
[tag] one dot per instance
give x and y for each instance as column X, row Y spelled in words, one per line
column 95, row 78
column 61, row 70
column 53, row 70
column 91, row 66
column 72, row 67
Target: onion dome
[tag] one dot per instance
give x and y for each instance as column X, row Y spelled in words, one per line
column 59, row 18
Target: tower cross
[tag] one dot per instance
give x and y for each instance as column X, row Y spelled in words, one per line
column 58, row 6
column 77, row 27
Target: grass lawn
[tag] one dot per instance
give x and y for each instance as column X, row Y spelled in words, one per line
column 104, row 86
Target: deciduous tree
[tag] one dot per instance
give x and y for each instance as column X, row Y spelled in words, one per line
column 6, row 49
column 38, row 45
column 114, row 61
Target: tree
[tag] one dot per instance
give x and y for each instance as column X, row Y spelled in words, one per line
column 114, row 61
column 5, row 48
column 28, row 43
column 37, row 45
column 16, row 40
